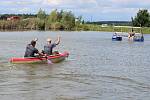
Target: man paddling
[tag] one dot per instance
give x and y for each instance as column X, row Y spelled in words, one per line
column 31, row 50
column 48, row 48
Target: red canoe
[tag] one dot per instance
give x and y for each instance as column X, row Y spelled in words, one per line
column 52, row 58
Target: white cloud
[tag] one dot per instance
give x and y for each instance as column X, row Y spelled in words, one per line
column 6, row 2
column 24, row 10
column 76, row 4
column 54, row 2
column 84, row 7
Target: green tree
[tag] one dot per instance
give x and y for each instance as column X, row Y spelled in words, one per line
column 41, row 14
column 60, row 14
column 41, row 25
column 53, row 20
column 53, row 17
column 68, row 20
column 41, row 22
column 141, row 19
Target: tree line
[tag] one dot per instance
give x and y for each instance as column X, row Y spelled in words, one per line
column 112, row 23
column 56, row 20
column 65, row 20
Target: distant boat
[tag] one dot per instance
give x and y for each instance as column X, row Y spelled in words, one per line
column 138, row 37
column 116, row 37
column 133, row 36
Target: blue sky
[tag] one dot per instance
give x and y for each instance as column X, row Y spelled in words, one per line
column 95, row 10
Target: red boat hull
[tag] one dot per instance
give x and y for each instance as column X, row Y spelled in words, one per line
column 52, row 58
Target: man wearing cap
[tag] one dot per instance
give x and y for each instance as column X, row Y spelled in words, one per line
column 31, row 50
column 48, row 48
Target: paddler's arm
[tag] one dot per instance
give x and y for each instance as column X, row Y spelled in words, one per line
column 37, row 52
column 58, row 40
column 41, row 54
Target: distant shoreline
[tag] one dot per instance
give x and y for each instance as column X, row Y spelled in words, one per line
column 91, row 27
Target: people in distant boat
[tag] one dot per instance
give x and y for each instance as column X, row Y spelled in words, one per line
column 31, row 50
column 115, row 34
column 48, row 48
column 131, row 34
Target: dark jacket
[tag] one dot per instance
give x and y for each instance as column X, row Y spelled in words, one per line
column 30, row 51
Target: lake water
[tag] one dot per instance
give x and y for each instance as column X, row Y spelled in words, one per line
column 97, row 68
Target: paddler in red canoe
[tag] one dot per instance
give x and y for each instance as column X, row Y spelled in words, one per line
column 31, row 50
column 48, row 48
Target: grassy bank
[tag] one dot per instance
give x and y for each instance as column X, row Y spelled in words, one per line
column 35, row 23
column 89, row 27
